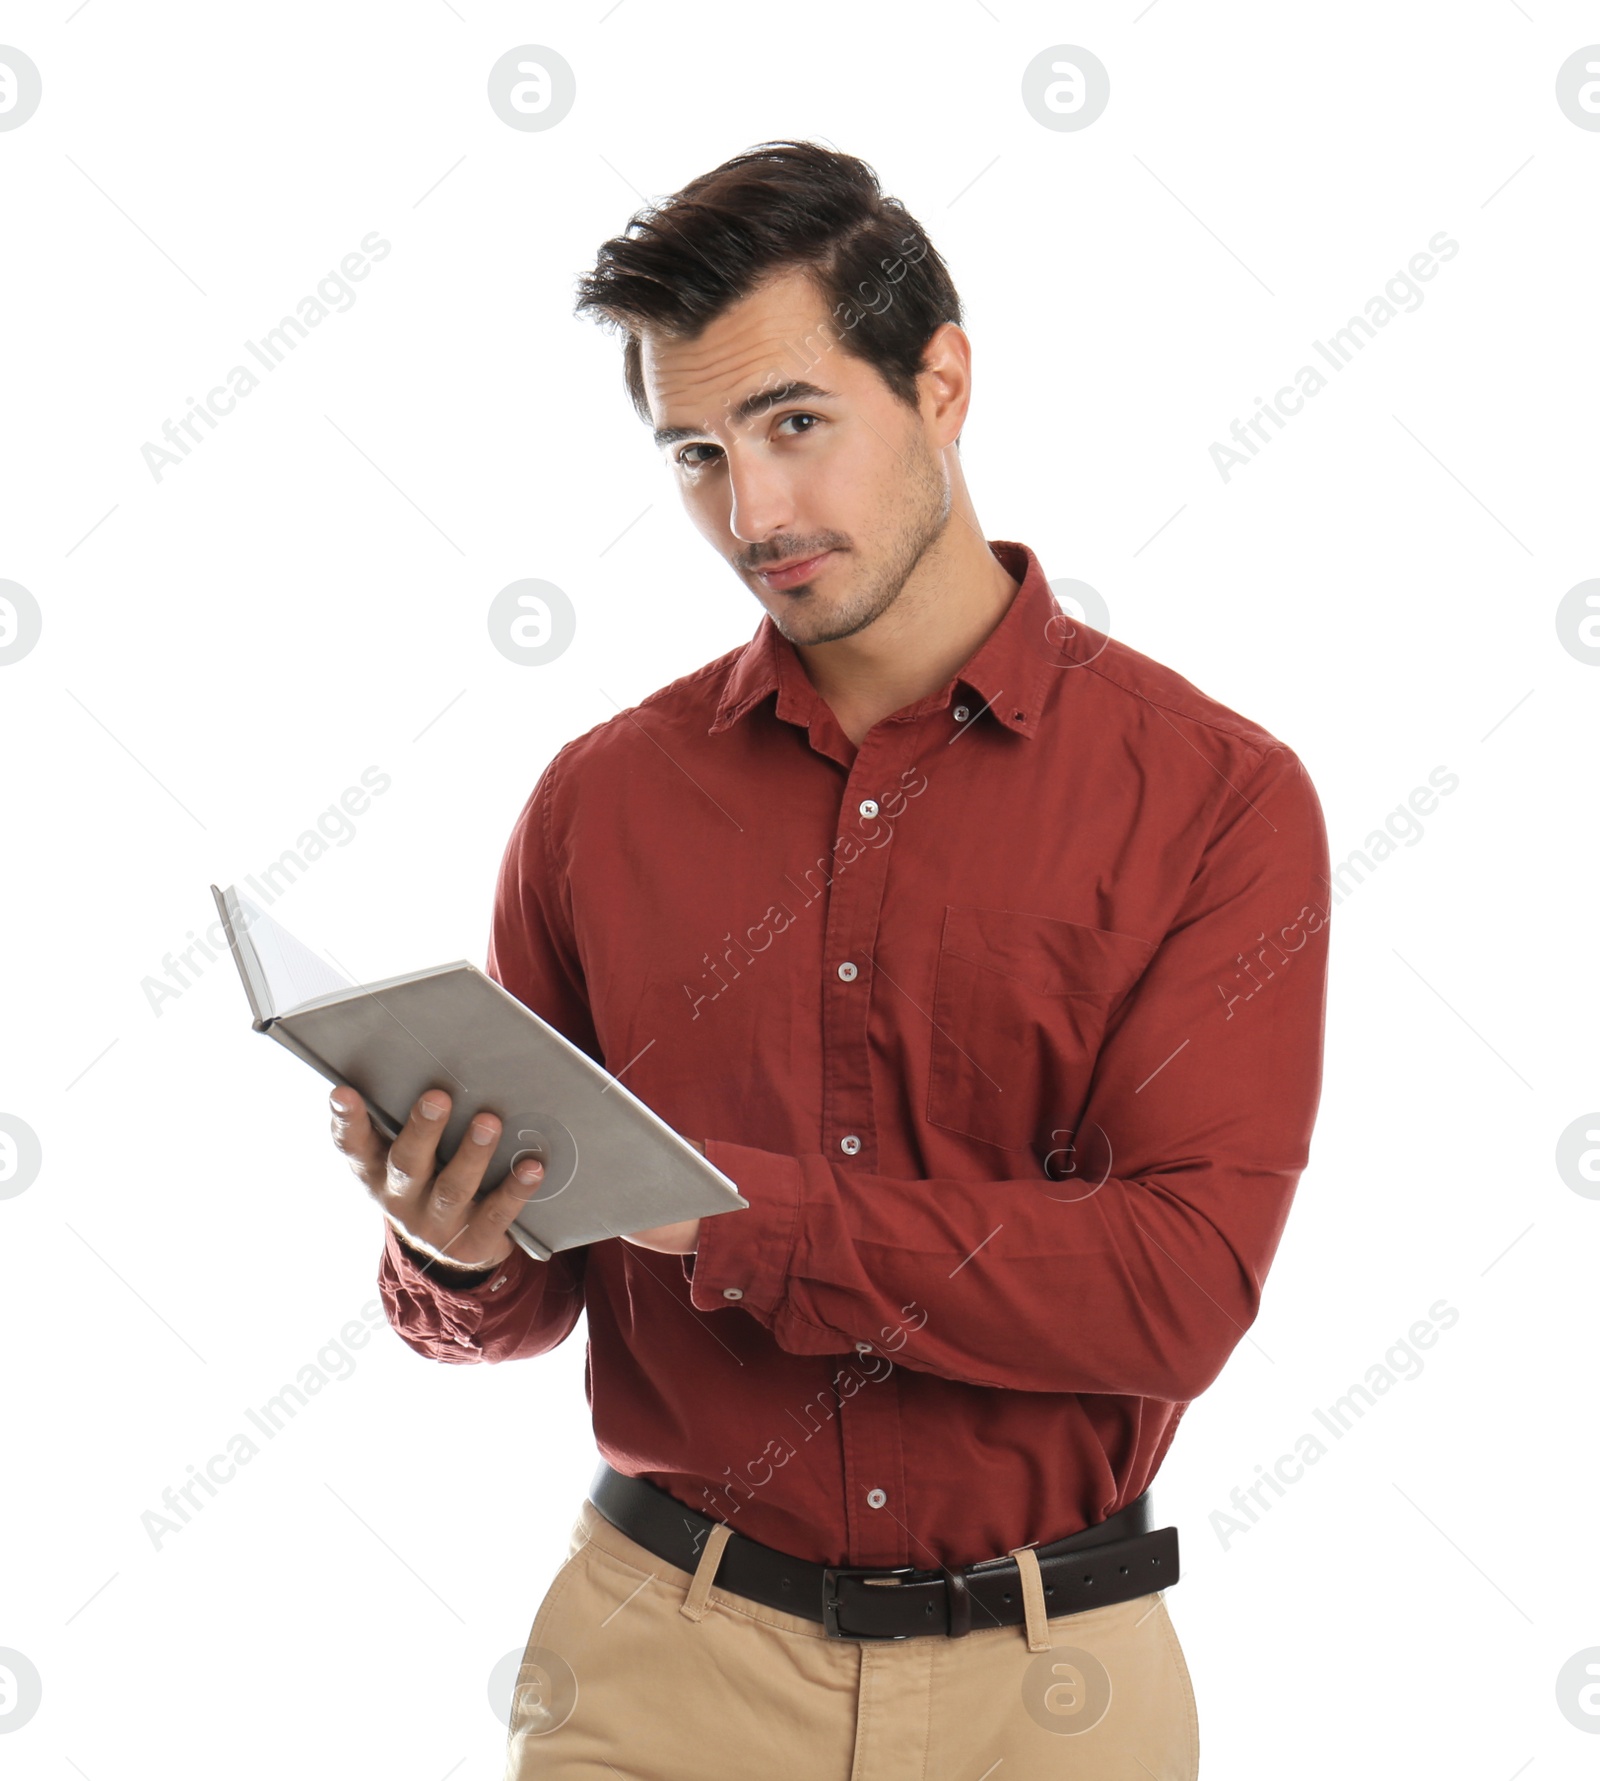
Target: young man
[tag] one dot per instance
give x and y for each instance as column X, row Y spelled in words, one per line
column 987, row 957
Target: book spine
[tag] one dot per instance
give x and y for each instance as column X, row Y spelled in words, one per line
column 527, row 1242
column 281, row 1033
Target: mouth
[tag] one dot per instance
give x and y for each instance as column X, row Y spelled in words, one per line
column 792, row 573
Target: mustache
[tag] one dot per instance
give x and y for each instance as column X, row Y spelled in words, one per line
column 788, row 554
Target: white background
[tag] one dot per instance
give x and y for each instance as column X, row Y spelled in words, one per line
column 224, row 651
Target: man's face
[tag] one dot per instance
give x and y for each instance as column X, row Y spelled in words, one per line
column 787, row 448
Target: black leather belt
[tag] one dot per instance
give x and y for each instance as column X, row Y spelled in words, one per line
column 1114, row 1561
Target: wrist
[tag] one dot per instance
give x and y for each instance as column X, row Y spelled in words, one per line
column 440, row 1266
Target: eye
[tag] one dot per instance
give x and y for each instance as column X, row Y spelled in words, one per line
column 686, row 462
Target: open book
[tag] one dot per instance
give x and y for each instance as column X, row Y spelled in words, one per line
column 610, row 1165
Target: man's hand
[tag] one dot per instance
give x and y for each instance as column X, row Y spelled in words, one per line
column 671, row 1239
column 435, row 1212
column 668, row 1239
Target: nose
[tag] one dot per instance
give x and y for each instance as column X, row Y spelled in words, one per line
column 761, row 502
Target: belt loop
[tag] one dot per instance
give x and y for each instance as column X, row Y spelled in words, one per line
column 960, row 1598
column 694, row 1603
column 1033, row 1598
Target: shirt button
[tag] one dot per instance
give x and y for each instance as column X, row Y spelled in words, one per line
column 876, row 1499
column 960, row 714
column 732, row 1292
column 863, row 1348
column 869, row 807
column 850, row 1145
column 498, row 1284
column 848, row 972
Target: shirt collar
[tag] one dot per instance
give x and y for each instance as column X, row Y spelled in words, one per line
column 1007, row 672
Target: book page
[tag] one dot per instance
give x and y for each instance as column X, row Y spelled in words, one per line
column 293, row 972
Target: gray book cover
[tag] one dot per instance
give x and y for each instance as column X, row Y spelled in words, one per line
column 611, row 1166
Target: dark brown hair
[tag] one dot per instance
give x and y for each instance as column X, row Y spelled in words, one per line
column 777, row 207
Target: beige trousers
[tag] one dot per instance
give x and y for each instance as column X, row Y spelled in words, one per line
column 636, row 1669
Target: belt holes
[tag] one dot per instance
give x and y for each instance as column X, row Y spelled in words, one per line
column 1008, row 1595
column 928, row 1609
column 1049, row 1589
column 1123, row 1569
column 1088, row 1576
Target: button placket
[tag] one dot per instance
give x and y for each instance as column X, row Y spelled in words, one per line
column 869, row 1417
column 874, row 1465
column 854, row 899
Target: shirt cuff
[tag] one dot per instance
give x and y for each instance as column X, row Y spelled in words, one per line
column 438, row 1280
column 743, row 1256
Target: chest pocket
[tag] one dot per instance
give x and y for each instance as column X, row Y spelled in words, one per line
column 1019, row 1007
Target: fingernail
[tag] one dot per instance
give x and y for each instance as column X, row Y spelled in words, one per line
column 530, row 1171
column 432, row 1110
column 482, row 1134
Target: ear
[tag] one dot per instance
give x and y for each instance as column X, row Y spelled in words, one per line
column 944, row 383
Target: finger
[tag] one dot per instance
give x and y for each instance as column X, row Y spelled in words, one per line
column 412, row 1155
column 353, row 1133
column 488, row 1221
column 445, row 1217
column 453, row 1188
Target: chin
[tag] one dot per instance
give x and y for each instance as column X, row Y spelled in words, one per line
column 800, row 626
column 814, row 624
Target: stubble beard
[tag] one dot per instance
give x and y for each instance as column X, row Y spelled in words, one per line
column 923, row 520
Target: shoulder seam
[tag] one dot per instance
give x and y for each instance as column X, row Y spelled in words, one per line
column 704, row 671
column 1250, row 734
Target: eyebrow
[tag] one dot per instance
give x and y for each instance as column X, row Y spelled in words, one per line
column 750, row 407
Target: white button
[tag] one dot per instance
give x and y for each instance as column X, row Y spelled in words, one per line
column 498, row 1284
column 863, row 1348
column 869, row 807
column 876, row 1499
column 848, row 972
column 960, row 714
column 850, row 1145
column 732, row 1292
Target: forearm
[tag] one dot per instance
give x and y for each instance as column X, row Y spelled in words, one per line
column 1131, row 1289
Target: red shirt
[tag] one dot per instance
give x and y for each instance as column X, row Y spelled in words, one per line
column 1008, row 1024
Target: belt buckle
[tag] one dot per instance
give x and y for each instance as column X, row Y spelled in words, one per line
column 830, row 1600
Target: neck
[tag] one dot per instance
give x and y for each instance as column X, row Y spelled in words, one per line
column 950, row 603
